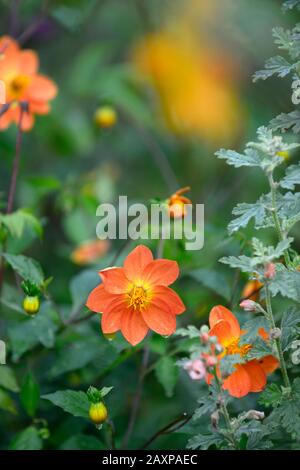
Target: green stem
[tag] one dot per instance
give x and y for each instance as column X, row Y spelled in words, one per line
column 277, row 340
column 225, row 412
column 276, row 220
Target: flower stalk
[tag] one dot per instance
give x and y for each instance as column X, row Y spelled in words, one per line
column 280, row 233
column 270, row 317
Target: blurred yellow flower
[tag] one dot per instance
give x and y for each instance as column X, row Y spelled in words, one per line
column 196, row 86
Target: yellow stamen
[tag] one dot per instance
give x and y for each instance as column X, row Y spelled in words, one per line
column 234, row 348
column 138, row 297
column 17, row 86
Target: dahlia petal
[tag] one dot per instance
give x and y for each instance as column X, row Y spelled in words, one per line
column 160, row 319
column 133, row 326
column 268, row 364
column 98, row 300
column 222, row 313
column 170, row 297
column 257, row 375
column 222, row 330
column 111, row 321
column 238, row 383
column 6, row 119
column 115, row 280
column 39, row 107
column 161, row 272
column 29, row 62
column 41, row 89
column 136, row 262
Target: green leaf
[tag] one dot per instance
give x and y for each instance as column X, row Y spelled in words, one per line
column 167, row 374
column 246, row 212
column 287, row 121
column 81, row 285
column 28, row 439
column 277, row 65
column 251, row 328
column 244, row 263
column 271, row 396
column 289, row 322
column 6, row 402
column 249, row 158
column 286, row 283
column 26, row 334
column 81, row 352
column 30, row 394
column 16, row 222
column 228, row 363
column 82, row 442
column 27, row 268
column 204, row 441
column 289, row 4
column 213, row 280
column 8, row 379
column 75, row 403
column 292, row 177
column 207, row 406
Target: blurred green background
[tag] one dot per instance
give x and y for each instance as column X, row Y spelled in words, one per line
column 148, row 59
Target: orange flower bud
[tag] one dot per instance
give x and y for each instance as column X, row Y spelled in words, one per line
column 177, row 202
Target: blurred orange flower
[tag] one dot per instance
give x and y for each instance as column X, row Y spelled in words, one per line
column 90, row 251
column 196, row 86
column 137, row 298
column 249, row 376
column 251, row 290
column 19, row 72
column 177, row 202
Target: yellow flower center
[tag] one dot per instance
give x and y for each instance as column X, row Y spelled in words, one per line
column 234, row 348
column 138, row 297
column 17, row 86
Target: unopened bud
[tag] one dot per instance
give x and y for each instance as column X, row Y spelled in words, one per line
column 214, row 418
column 249, row 305
column 254, row 414
column 275, row 333
column 270, row 271
column 211, row 361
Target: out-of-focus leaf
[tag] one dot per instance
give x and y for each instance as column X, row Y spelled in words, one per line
column 213, row 280
column 6, row 402
column 292, row 177
column 30, row 394
column 82, row 442
column 81, row 285
column 167, row 374
column 8, row 379
column 80, row 353
column 27, row 268
column 75, row 403
column 28, row 333
column 289, row 322
column 204, row 441
column 287, row 121
column 28, row 439
column 17, row 221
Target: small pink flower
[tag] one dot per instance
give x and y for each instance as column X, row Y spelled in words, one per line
column 196, row 369
column 270, row 271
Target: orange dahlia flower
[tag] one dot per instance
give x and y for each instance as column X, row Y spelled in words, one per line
column 89, row 251
column 177, row 202
column 23, row 84
column 249, row 376
column 251, row 290
column 137, row 298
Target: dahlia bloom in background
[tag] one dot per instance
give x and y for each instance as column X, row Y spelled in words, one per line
column 137, row 298
column 19, row 72
column 177, row 202
column 249, row 376
column 195, row 85
column 89, row 251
